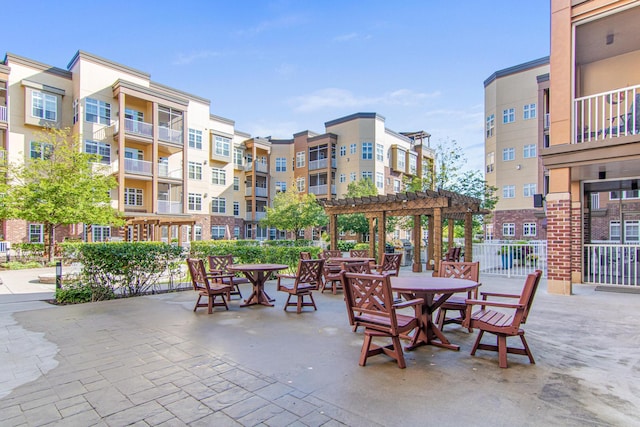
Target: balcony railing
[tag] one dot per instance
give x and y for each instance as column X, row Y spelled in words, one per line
column 546, row 121
column 170, row 135
column 168, row 207
column 612, row 264
column 140, row 167
column 138, row 128
column 260, row 167
column 258, row 216
column 321, row 189
column 321, row 164
column 607, row 115
column 3, row 113
column 164, row 172
column 260, row 191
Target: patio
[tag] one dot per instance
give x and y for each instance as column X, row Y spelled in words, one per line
column 151, row 358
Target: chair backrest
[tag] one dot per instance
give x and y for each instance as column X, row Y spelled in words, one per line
column 357, row 267
column 369, row 301
column 457, row 252
column 450, row 255
column 391, row 264
column 529, row 292
column 305, row 255
column 359, row 253
column 219, row 263
column 198, row 274
column 331, row 254
column 461, row 270
column 309, row 272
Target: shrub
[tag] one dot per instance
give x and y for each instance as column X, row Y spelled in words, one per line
column 345, row 246
column 78, row 293
column 16, row 265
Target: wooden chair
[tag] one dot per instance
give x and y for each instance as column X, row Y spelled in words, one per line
column 207, row 285
column 453, row 254
column 458, row 270
column 326, row 254
column 331, row 278
column 359, row 253
column 357, row 267
column 370, row 304
column 307, row 279
column 504, row 323
column 305, row 255
column 218, row 265
column 390, row 264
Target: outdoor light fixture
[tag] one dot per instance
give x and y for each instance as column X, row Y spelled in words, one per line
column 602, row 175
column 609, row 39
column 538, row 200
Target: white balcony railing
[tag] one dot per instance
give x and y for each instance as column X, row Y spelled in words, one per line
column 168, row 207
column 140, row 167
column 607, row 115
column 170, row 135
column 164, row 172
column 546, row 121
column 318, row 189
column 260, row 167
column 321, row 164
column 138, row 128
column 612, row 264
column 3, row 113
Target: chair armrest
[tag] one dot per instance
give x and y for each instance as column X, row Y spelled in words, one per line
column 493, row 303
column 410, row 303
column 219, row 275
column 495, row 294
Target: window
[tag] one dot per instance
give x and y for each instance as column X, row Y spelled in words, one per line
column 97, row 111
column 237, row 157
column 99, row 148
column 76, row 111
column 380, row 152
column 595, row 201
column 343, row 150
column 195, row 201
column 491, row 124
column 508, row 191
column 529, row 151
column 529, row 190
column 236, row 232
column 195, row 170
column 36, row 233
column 281, row 186
column 281, row 164
column 626, row 194
column 509, row 115
column 40, row 150
column 133, row 196
column 100, row 233
column 218, row 176
column 529, row 111
column 413, row 164
column 197, row 232
column 217, row 232
column 300, row 159
column 380, row 180
column 614, row 231
column 300, row 184
column 353, row 148
column 397, row 185
column 491, row 160
column 236, row 183
column 195, row 139
column 222, row 146
column 508, row 229
column 343, row 177
column 352, row 176
column 508, row 154
column 631, row 231
column 367, row 175
column 218, row 205
column 236, row 208
column 367, row 151
column 529, row 229
column 402, row 160
column 44, row 106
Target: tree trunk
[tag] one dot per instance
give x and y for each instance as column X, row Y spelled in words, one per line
column 49, row 241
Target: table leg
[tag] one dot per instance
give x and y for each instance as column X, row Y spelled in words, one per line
column 428, row 333
column 258, row 295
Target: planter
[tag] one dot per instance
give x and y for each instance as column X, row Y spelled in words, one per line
column 507, row 261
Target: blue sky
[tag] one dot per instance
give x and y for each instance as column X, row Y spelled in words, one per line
column 281, row 67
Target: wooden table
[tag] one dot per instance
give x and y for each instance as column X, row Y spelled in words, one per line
column 257, row 275
column 426, row 287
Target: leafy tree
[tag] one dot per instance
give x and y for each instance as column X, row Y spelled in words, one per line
column 294, row 211
column 62, row 186
column 357, row 223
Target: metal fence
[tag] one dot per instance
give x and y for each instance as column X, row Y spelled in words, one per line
column 612, row 264
column 509, row 258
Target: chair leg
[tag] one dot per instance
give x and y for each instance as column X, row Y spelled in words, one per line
column 300, row 302
column 210, row 306
column 527, row 350
column 197, row 303
column 502, row 351
column 475, row 346
column 313, row 303
column 286, row 304
column 397, row 347
column 364, row 353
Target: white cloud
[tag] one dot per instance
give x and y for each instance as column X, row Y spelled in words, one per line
column 282, row 22
column 186, row 59
column 351, row 36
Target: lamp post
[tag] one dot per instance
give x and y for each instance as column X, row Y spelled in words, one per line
column 58, row 274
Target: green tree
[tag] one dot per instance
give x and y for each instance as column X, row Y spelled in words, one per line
column 60, row 187
column 357, row 223
column 294, row 211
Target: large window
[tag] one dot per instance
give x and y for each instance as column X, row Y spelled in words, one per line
column 491, row 124
column 195, row 170
column 342, row 178
column 508, row 154
column 222, row 146
column 397, row 185
column 529, row 229
column 402, row 160
column 281, row 186
column 100, row 233
column 281, row 164
column 626, row 194
column 508, row 191
column 300, row 184
column 509, row 115
column 353, row 148
column 133, row 196
column 217, row 232
column 195, row 139
column 367, row 151
column 529, row 111
column 529, row 151
column 300, row 159
column 218, row 176
column 44, row 106
column 529, row 190
column 491, row 160
column 352, row 176
column 218, row 205
column 380, row 180
column 631, row 231
column 367, row 175
column 36, row 233
column 614, row 231
column 343, row 150
column 380, row 152
column 99, row 148
column 237, row 157
column 195, row 201
column 236, row 208
column 40, row 150
column 97, row 111
column 236, row 183
column 509, row 229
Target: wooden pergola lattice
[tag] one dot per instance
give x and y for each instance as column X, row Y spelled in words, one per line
column 437, row 205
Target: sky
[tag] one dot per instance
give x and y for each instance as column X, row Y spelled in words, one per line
column 285, row 66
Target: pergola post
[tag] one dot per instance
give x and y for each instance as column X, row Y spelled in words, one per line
column 372, row 233
column 333, row 231
column 437, row 237
column 468, row 237
column 450, row 232
column 430, row 244
column 381, row 216
column 417, row 243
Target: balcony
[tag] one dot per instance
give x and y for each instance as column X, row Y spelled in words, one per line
column 321, row 164
column 139, row 128
column 168, row 207
column 321, row 189
column 607, row 115
column 170, row 135
column 164, row 172
column 260, row 191
column 259, row 167
column 138, row 167
column 3, row 113
column 546, row 121
column 259, row 216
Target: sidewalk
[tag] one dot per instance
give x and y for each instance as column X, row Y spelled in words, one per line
column 153, row 361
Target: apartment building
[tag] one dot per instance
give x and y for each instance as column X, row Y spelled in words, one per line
column 183, row 173
column 594, row 144
column 516, row 112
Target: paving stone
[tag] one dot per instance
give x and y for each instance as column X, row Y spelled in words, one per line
column 226, row 398
column 244, row 379
column 189, row 409
column 245, row 406
column 173, row 397
column 160, row 417
column 217, row 419
column 75, row 409
column 273, row 391
column 284, row 418
column 153, row 393
column 198, row 390
column 71, row 401
column 108, row 400
column 314, row 419
column 134, row 414
column 259, row 415
column 42, row 414
column 295, row 405
column 173, row 422
column 133, row 384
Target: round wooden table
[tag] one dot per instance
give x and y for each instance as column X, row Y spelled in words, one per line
column 257, row 275
column 426, row 287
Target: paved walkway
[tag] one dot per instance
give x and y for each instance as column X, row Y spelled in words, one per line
column 153, row 361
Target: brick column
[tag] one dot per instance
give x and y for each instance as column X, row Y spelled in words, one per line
column 576, row 242
column 559, row 243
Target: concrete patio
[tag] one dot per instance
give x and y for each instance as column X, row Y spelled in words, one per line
column 153, row 361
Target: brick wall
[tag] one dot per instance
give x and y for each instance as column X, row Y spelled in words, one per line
column 518, row 217
column 559, row 239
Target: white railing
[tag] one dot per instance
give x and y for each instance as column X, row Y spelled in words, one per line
column 508, row 258
column 164, row 172
column 318, row 189
column 547, row 123
column 612, row 264
column 141, row 167
column 170, row 135
column 607, row 114
column 3, row 113
column 168, row 207
column 139, row 128
column 321, row 164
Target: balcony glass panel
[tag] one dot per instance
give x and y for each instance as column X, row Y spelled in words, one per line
column 140, row 167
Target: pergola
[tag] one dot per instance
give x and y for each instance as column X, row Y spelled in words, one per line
column 148, row 227
column 437, row 205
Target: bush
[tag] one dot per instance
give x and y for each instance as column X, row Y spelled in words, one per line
column 77, row 293
column 16, row 265
column 345, row 246
column 361, row 246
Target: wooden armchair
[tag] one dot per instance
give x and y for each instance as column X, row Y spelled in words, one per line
column 390, row 264
column 331, row 278
column 504, row 323
column 359, row 253
column 357, row 267
column 307, row 279
column 370, row 304
column 458, row 270
column 326, row 254
column 218, row 265
column 207, row 285
column 305, row 255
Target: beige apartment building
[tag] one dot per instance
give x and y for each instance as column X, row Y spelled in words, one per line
column 183, row 173
column 593, row 158
column 516, row 128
